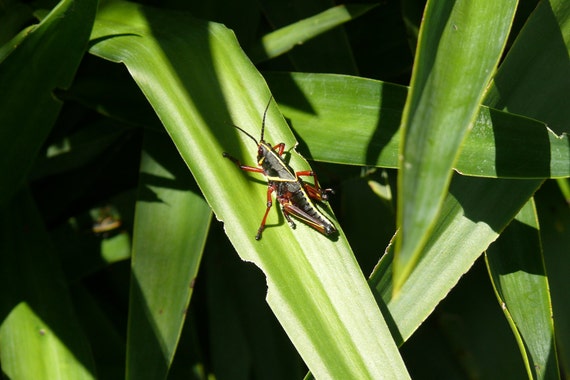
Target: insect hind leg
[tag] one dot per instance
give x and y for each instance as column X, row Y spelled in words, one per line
column 315, row 191
column 287, row 215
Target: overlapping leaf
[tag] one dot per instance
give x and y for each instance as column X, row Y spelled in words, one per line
column 459, row 46
column 199, row 82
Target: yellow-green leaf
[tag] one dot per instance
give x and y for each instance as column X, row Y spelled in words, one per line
column 459, row 47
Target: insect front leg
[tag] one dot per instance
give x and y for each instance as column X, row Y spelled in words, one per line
column 279, row 148
column 270, row 190
column 240, row 165
column 315, row 191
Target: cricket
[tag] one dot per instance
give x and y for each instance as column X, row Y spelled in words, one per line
column 293, row 194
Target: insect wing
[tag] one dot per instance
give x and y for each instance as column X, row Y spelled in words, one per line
column 323, row 226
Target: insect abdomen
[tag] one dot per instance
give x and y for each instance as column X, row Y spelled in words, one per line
column 300, row 199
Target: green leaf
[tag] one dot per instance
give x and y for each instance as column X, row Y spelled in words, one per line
column 365, row 114
column 564, row 186
column 28, row 107
column 459, row 47
column 537, row 67
column 485, row 204
column 199, row 82
column 40, row 337
column 534, row 76
column 517, row 269
column 479, row 206
column 165, row 195
column 328, row 52
column 473, row 215
column 284, row 39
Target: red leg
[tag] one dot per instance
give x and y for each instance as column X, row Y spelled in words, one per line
column 314, row 191
column 279, row 148
column 269, row 204
column 242, row 167
column 309, row 173
column 285, row 203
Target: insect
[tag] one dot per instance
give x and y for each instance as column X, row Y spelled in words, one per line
column 294, row 194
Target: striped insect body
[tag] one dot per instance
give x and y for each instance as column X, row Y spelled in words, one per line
column 293, row 194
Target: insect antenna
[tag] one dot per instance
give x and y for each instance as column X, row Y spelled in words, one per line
column 247, row 134
column 262, row 124
column 265, row 114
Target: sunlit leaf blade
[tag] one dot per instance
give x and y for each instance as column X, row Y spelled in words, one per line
column 484, row 203
column 39, row 334
column 564, row 186
column 537, row 67
column 286, row 38
column 516, row 267
column 328, row 52
column 28, row 107
column 166, row 257
column 473, row 215
column 199, row 82
column 459, row 47
column 365, row 114
column 323, row 109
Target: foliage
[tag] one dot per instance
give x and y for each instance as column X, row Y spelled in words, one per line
column 443, row 135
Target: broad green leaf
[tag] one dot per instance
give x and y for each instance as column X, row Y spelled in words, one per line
column 473, row 215
column 284, row 39
column 484, row 203
column 537, row 67
column 328, row 52
column 564, row 186
column 40, row 337
column 454, row 341
column 166, row 257
column 459, row 46
column 199, row 82
column 365, row 114
column 540, row 56
column 517, row 269
column 28, row 107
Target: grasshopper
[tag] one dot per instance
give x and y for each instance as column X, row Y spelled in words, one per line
column 294, row 194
